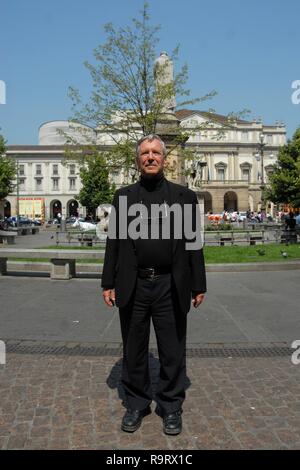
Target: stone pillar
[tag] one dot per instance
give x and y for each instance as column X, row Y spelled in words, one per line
column 2, row 209
column 62, row 269
column 230, row 166
column 236, row 168
column 217, row 200
column 242, row 195
column 3, row 266
column 168, row 125
column 211, row 166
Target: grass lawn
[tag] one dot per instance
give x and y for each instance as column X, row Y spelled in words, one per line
column 68, row 247
column 54, row 247
column 250, row 254
column 47, row 260
column 212, row 254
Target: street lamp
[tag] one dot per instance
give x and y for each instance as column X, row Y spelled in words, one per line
column 260, row 157
column 72, row 211
column 18, row 183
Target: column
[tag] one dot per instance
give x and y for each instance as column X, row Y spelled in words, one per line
column 236, row 168
column 211, row 166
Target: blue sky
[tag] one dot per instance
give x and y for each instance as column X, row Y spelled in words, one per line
column 247, row 51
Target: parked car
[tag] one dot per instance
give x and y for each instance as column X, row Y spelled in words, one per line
column 22, row 221
column 4, row 225
column 71, row 220
column 52, row 222
column 34, row 221
column 12, row 221
column 242, row 216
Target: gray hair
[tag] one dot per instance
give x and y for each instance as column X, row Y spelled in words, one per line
column 150, row 138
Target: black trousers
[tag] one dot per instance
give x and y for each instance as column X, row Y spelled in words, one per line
column 154, row 299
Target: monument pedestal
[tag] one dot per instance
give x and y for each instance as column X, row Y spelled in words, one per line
column 169, row 131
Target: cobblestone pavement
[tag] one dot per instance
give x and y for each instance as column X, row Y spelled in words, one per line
column 64, row 402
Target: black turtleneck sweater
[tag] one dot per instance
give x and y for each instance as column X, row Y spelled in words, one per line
column 156, row 252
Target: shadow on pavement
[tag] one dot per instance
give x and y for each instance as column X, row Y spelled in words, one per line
column 114, row 378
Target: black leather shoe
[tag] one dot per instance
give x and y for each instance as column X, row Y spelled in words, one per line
column 133, row 418
column 172, row 423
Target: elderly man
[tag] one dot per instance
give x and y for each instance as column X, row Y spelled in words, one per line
column 153, row 277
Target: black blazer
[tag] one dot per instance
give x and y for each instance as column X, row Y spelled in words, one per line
column 120, row 262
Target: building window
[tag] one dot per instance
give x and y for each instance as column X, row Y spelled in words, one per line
column 246, row 171
column 55, row 184
column 269, row 138
column 221, row 171
column 38, row 169
column 38, row 184
column 115, row 176
column 22, row 184
column 245, row 136
column 55, row 169
column 221, row 174
column 21, row 170
column 269, row 170
column 245, row 174
column 72, row 183
column 72, row 169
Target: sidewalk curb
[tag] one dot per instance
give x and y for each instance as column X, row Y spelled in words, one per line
column 248, row 267
column 215, row 268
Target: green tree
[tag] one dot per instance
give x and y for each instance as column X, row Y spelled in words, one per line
column 285, row 181
column 7, row 171
column 129, row 94
column 96, row 189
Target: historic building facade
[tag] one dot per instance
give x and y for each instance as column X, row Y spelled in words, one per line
column 226, row 172
column 233, row 161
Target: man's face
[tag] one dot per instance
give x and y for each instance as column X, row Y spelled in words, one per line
column 151, row 160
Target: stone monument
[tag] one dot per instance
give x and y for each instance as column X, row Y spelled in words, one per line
column 168, row 124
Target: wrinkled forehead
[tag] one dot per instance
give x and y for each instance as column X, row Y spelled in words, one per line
column 150, row 144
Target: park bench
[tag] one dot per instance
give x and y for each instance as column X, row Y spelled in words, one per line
column 63, row 262
column 241, row 238
column 256, row 238
column 86, row 239
column 228, row 239
column 7, row 237
column 233, row 238
column 28, row 229
column 289, row 236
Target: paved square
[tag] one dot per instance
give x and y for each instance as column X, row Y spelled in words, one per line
column 73, row 401
column 61, row 402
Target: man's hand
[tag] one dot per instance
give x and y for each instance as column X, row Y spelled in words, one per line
column 197, row 300
column 109, row 297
